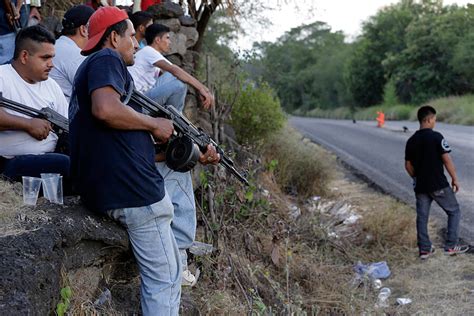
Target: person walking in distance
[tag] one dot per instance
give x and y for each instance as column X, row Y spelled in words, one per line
column 426, row 155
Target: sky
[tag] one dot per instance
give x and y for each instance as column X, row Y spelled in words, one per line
column 341, row 15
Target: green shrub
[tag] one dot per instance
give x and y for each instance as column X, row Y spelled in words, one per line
column 298, row 165
column 256, row 114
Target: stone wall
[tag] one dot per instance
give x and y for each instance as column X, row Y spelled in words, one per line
column 48, row 247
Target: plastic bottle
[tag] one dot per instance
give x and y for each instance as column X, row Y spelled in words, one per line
column 377, row 284
column 384, row 294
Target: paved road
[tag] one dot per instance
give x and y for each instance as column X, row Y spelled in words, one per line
column 379, row 155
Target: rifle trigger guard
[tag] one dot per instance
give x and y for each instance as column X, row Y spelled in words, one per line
column 182, row 154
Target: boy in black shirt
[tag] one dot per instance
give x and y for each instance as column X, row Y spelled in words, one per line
column 426, row 153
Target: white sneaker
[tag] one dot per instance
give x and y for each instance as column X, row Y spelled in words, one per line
column 188, row 279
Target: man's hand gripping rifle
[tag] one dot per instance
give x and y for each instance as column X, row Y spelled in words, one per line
column 60, row 123
column 181, row 153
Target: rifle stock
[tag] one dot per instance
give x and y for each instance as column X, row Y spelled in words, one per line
column 184, row 127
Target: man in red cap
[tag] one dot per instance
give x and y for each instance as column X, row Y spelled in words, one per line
column 112, row 158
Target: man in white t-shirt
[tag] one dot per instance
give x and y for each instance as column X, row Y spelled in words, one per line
column 141, row 20
column 170, row 88
column 27, row 144
column 68, row 47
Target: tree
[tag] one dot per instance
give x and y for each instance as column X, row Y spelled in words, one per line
column 463, row 60
column 305, row 66
column 382, row 36
column 203, row 10
column 424, row 69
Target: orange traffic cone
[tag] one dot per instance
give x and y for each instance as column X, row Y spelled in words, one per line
column 380, row 119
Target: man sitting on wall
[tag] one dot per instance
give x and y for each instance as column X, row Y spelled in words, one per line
column 27, row 144
column 68, row 47
column 141, row 20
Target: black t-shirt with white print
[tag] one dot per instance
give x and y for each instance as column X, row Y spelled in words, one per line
column 424, row 150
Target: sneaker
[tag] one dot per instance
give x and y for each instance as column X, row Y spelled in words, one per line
column 456, row 250
column 426, row 254
column 188, row 279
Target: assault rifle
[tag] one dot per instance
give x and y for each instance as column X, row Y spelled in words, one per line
column 60, row 122
column 182, row 152
column 10, row 12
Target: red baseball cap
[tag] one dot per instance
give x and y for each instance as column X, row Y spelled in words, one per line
column 99, row 22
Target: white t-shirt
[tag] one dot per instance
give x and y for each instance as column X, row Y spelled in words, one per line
column 66, row 61
column 39, row 95
column 144, row 72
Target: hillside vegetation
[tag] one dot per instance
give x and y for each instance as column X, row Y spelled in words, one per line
column 408, row 53
column 452, row 110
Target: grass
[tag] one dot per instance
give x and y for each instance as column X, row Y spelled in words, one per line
column 453, row 110
column 299, row 166
column 286, row 265
column 10, row 205
column 270, row 260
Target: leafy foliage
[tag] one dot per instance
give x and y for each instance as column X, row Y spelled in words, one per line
column 390, row 94
column 413, row 44
column 383, row 36
column 423, row 69
column 256, row 114
column 63, row 305
column 409, row 52
column 305, row 66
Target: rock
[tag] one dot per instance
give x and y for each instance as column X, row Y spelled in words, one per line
column 178, row 43
column 53, row 24
column 173, row 24
column 165, row 9
column 190, row 108
column 186, row 20
column 190, row 57
column 31, row 261
column 175, row 59
column 191, row 34
column 188, row 68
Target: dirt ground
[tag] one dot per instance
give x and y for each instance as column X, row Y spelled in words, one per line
column 318, row 277
column 297, row 257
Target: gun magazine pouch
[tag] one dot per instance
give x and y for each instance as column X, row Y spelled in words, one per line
column 182, row 154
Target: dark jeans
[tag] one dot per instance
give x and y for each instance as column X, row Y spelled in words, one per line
column 33, row 165
column 447, row 201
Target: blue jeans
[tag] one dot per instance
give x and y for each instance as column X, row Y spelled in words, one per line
column 7, row 47
column 446, row 199
column 179, row 186
column 168, row 90
column 34, row 165
column 157, row 255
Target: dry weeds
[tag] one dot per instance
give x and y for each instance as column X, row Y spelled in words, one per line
column 10, row 207
column 270, row 260
column 279, row 264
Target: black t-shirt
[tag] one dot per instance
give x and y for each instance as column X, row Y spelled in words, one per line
column 424, row 150
column 110, row 168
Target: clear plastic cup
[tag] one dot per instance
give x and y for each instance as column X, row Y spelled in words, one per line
column 53, row 187
column 31, row 187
